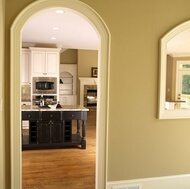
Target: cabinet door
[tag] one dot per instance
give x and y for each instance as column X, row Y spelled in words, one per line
column 52, row 63
column 44, row 135
column 38, row 63
column 57, row 132
column 45, row 62
column 25, row 68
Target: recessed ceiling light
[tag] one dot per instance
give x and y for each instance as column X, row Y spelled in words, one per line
column 56, row 28
column 53, row 38
column 59, row 11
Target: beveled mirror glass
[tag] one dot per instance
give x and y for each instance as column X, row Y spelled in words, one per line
column 174, row 86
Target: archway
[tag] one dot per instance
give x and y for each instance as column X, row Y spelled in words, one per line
column 103, row 99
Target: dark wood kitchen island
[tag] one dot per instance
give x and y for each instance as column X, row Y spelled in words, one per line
column 52, row 128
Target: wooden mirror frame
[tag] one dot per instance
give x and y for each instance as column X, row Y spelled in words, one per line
column 162, row 113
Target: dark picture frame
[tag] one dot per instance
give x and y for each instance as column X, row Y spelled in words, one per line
column 94, row 72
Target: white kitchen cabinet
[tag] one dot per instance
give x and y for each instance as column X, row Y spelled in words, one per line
column 45, row 62
column 26, row 67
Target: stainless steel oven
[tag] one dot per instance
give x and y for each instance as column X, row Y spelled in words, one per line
column 44, row 85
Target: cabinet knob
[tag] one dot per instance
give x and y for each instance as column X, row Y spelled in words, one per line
column 28, row 115
column 51, row 115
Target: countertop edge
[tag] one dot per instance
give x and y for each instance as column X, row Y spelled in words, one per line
column 64, row 108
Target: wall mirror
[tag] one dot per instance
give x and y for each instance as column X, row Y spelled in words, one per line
column 174, row 86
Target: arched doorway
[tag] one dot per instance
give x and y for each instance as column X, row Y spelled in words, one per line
column 103, row 65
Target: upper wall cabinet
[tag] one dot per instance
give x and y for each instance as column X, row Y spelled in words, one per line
column 174, row 89
column 26, row 67
column 45, row 62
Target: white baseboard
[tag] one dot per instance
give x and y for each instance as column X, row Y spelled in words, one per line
column 167, row 182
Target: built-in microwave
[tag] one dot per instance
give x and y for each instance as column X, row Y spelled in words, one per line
column 44, row 85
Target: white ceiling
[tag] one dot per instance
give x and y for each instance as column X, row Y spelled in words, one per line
column 75, row 32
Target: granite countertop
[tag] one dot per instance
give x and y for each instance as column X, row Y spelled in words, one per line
column 64, row 108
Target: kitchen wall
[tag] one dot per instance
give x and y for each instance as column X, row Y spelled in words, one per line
column 139, row 145
column 86, row 60
column 68, row 56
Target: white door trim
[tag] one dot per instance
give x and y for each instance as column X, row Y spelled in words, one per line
column 103, row 87
column 2, row 87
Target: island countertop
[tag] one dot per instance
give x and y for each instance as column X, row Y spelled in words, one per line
column 64, row 108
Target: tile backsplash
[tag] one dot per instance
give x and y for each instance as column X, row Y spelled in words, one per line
column 26, row 93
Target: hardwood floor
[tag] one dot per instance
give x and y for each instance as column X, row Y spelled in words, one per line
column 67, row 168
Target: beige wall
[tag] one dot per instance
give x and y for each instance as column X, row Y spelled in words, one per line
column 139, row 144
column 69, row 56
column 86, row 60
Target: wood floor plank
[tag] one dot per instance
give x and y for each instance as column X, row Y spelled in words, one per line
column 66, row 168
